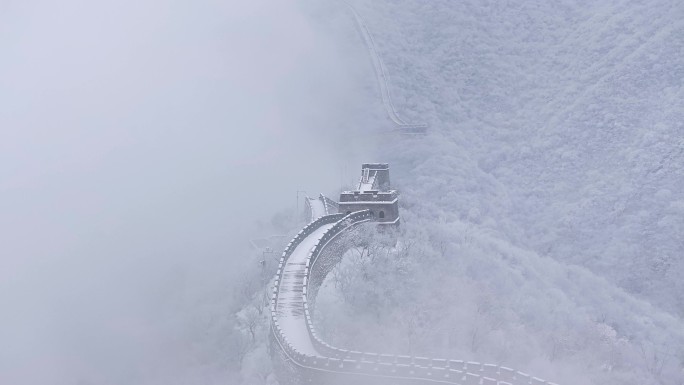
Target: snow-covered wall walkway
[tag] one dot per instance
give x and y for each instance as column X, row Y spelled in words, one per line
column 316, row 361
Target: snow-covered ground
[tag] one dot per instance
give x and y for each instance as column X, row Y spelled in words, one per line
column 542, row 214
column 545, row 202
column 566, row 122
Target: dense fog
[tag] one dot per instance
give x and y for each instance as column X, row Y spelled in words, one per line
column 143, row 145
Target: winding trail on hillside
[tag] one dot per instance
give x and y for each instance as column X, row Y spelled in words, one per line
column 383, row 78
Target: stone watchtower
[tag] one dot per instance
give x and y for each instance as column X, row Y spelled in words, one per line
column 373, row 193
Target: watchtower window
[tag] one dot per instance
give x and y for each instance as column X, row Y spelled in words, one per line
column 382, row 214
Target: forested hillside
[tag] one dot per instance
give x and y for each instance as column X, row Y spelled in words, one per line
column 543, row 214
column 146, row 147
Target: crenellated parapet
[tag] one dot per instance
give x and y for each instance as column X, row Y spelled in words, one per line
column 300, row 355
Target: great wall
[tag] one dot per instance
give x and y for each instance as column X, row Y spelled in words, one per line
column 300, row 356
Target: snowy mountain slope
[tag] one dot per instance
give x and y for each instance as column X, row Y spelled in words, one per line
column 575, row 110
column 548, row 191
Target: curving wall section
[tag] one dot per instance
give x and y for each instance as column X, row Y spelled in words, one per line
column 302, row 357
column 320, row 206
column 382, row 75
